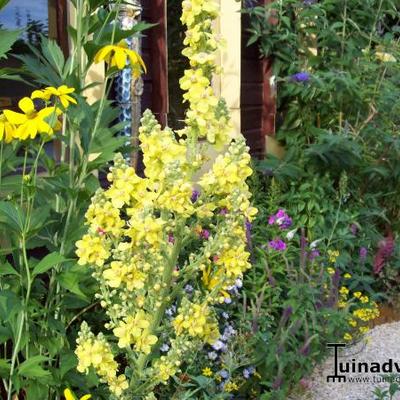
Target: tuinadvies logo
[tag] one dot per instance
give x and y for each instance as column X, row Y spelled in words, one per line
column 354, row 366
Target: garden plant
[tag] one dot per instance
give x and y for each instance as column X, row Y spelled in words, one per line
column 192, row 277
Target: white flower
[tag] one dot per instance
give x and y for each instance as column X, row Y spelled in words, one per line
column 313, row 244
column 290, row 234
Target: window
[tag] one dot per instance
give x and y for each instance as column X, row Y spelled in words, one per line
column 36, row 18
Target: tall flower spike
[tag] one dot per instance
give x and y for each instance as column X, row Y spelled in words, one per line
column 181, row 225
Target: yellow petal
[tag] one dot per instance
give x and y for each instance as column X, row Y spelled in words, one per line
column 86, row 397
column 136, row 59
column 64, row 89
column 120, row 58
column 68, row 395
column 70, row 99
column 24, row 131
column 46, row 112
column 9, row 133
column 43, row 127
column 2, row 129
column 102, row 53
column 15, row 118
column 39, row 94
column 64, row 101
column 26, row 105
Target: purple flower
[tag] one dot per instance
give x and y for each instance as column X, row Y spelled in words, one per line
column 171, row 238
column 354, row 229
column 195, row 196
column 205, row 234
column 301, row 77
column 281, row 219
column 246, row 373
column 309, row 2
column 188, row 289
column 248, row 231
column 223, row 211
column 287, row 312
column 277, row 244
column 219, row 345
column 363, row 253
column 314, row 254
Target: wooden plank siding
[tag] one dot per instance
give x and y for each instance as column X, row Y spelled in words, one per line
column 257, row 99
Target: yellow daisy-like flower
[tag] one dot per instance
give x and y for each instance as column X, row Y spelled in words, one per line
column 6, row 129
column 31, row 122
column 116, row 55
column 70, row 396
column 207, row 372
column 62, row 93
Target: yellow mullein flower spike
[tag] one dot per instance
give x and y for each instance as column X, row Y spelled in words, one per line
column 117, row 56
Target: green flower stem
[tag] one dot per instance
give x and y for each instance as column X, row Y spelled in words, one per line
column 23, row 175
column 167, row 281
column 1, row 161
column 23, row 317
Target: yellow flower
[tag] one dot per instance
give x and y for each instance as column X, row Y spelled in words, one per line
column 231, row 387
column 385, row 57
column 364, row 330
column 347, row 337
column 70, row 396
column 347, row 276
column 357, row 295
column 344, row 291
column 92, row 250
column 353, row 323
column 364, row 299
column 31, row 122
column 6, row 129
column 330, row 270
column 333, row 255
column 117, row 55
column 118, row 384
column 207, row 372
column 62, row 93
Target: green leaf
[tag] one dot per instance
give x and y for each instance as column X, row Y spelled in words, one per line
column 3, row 3
column 48, row 262
column 68, row 361
column 7, row 39
column 4, row 368
column 31, row 368
column 7, row 269
column 12, row 216
column 70, row 280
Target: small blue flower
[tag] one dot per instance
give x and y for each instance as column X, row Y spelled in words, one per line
column 301, row 77
column 212, row 355
column 164, row 348
column 188, row 289
column 223, row 374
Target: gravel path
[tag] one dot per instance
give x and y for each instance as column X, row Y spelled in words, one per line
column 381, row 344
